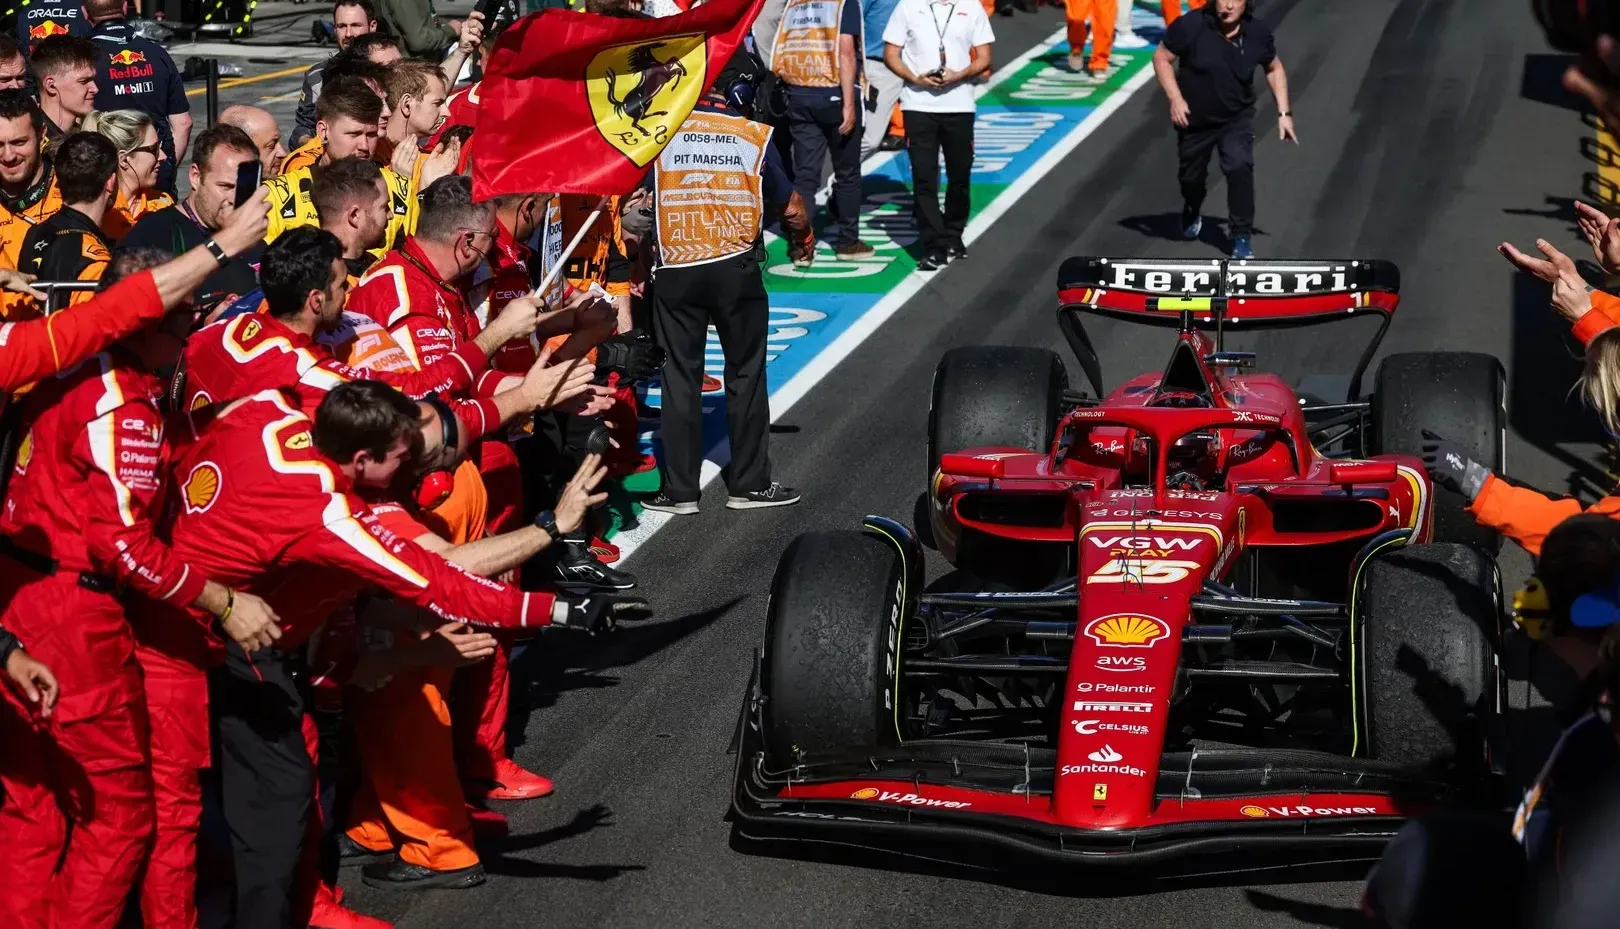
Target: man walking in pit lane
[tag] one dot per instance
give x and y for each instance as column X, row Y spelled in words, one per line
column 1212, row 107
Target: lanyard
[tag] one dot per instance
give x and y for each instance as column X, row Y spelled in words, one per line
column 940, row 30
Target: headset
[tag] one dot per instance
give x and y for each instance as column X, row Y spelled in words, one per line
column 434, row 486
column 739, row 80
column 1595, row 609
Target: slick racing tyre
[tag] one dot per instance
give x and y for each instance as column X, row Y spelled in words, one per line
column 1460, row 395
column 1425, row 687
column 997, row 395
column 832, row 638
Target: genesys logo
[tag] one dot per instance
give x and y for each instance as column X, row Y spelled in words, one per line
column 1109, row 706
column 890, row 796
column 1090, row 687
column 1122, row 663
column 1094, row 726
column 1263, row 812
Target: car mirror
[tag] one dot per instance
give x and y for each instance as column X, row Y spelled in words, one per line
column 1363, row 472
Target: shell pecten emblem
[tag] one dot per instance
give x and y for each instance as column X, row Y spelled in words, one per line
column 1254, row 812
column 201, row 487
column 1127, row 630
column 865, row 793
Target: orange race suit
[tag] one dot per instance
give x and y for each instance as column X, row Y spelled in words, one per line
column 126, row 210
column 78, row 534
column 1524, row 514
column 18, row 214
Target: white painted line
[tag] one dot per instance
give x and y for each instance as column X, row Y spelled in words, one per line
column 840, row 348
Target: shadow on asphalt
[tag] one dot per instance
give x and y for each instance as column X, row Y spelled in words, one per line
column 1041, row 877
column 1167, row 226
column 1313, row 914
column 575, row 662
column 497, row 861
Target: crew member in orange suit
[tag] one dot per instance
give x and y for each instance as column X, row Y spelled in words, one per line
column 1098, row 16
column 1172, row 9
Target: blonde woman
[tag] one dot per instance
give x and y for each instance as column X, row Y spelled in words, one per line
column 139, row 157
column 1523, row 514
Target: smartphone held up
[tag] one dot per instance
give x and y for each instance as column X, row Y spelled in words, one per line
column 248, row 177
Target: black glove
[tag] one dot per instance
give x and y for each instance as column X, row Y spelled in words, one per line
column 1452, row 467
column 591, row 613
column 631, row 355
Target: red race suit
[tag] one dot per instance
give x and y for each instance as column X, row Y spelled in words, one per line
column 79, row 532
column 41, row 347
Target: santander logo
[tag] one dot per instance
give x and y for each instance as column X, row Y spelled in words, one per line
column 1106, row 755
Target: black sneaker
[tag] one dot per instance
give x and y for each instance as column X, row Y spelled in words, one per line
column 352, row 854
column 663, row 503
column 774, row 495
column 577, row 567
column 396, row 874
column 957, row 251
column 935, row 259
column 892, row 143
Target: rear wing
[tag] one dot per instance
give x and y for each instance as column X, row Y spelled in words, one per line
column 1223, row 293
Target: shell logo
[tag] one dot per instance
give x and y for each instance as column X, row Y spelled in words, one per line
column 1127, row 630
column 865, row 793
column 201, row 487
column 201, row 400
column 299, row 441
column 1254, row 812
column 25, row 451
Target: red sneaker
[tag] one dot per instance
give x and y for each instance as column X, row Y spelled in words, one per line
column 486, row 823
column 329, row 914
column 606, row 552
column 712, row 384
column 514, row 782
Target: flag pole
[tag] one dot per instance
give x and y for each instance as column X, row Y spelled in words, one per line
column 568, row 250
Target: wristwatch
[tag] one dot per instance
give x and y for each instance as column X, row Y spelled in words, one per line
column 218, row 251
column 546, row 521
column 1287, row 113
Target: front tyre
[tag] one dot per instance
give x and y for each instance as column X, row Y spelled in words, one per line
column 832, row 638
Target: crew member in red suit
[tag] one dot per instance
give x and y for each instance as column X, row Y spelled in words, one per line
column 39, row 348
column 268, row 501
column 78, row 544
column 413, row 293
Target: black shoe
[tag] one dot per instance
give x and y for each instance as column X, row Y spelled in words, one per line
column 577, row 567
column 892, row 143
column 663, row 503
column 957, row 251
column 352, row 854
column 774, row 495
column 1004, row 11
column 395, row 874
column 935, row 259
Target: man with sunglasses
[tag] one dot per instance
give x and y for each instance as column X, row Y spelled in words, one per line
column 70, row 246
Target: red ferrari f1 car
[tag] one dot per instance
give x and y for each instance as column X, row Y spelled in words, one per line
column 1201, row 611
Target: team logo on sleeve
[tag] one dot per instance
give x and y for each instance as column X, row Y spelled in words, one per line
column 25, row 451
column 299, row 441
column 641, row 91
column 250, row 329
column 201, row 487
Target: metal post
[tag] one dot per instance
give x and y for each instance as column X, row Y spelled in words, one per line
column 213, row 92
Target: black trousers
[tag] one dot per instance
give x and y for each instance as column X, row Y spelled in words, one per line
column 927, row 134
column 267, row 777
column 730, row 294
column 814, row 127
column 1235, row 140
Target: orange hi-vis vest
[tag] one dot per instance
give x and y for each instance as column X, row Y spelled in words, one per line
column 710, row 190
column 805, row 52
column 588, row 263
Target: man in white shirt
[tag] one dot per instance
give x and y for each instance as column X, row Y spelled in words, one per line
column 939, row 48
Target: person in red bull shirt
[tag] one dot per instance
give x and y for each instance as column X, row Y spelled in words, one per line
column 136, row 73
column 65, row 78
column 42, row 19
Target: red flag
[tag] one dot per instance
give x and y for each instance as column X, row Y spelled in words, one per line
column 582, row 103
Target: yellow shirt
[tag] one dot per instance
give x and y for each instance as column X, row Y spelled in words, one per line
column 291, row 206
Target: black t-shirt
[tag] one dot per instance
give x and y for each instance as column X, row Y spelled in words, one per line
column 44, row 18
column 173, row 230
column 138, row 74
column 1217, row 74
column 66, row 247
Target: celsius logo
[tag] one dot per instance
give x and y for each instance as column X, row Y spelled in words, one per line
column 1106, row 754
column 1094, row 726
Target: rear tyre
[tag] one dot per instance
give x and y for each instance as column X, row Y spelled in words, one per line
column 1459, row 395
column 832, row 636
column 1424, row 658
column 997, row 395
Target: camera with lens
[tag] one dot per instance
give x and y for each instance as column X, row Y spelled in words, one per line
column 1574, row 25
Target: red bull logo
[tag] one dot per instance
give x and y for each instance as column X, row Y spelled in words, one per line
column 45, row 30
column 127, row 57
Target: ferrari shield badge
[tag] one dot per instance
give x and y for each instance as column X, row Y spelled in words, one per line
column 641, row 92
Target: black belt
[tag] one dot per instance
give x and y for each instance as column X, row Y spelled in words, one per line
column 42, row 564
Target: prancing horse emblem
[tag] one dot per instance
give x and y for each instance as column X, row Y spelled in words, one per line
column 655, row 75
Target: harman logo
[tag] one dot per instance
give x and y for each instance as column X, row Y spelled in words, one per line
column 1128, row 630
column 890, row 796
column 1256, row 812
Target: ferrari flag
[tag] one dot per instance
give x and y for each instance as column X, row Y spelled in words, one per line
column 582, row 103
